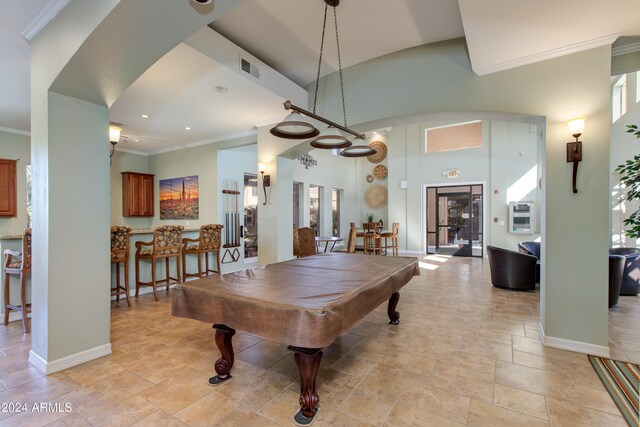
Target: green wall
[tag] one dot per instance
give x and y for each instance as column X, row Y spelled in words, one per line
column 438, row 78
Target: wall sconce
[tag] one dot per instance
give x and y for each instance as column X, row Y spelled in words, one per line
column 574, row 149
column 266, row 180
column 114, row 138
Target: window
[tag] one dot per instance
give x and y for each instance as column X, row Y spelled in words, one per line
column 315, row 207
column 619, row 98
column 335, row 212
column 453, row 137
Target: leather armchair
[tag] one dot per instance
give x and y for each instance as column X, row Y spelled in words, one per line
column 512, row 270
column 532, row 248
column 616, row 269
column 631, row 275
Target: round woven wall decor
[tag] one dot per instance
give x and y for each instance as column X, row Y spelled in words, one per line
column 369, row 179
column 376, row 196
column 381, row 152
column 380, row 172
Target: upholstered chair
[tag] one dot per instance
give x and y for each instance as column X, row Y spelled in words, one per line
column 120, row 255
column 532, row 248
column 616, row 270
column 18, row 263
column 208, row 241
column 631, row 275
column 512, row 270
column 166, row 244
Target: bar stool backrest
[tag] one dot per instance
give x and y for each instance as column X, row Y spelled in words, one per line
column 26, row 251
column 120, row 241
column 167, row 239
column 306, row 242
column 210, row 236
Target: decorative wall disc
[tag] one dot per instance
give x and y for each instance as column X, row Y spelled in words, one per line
column 381, row 152
column 380, row 172
column 369, row 178
column 376, row 196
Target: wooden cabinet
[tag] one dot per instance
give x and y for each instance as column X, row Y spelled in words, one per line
column 137, row 194
column 8, row 188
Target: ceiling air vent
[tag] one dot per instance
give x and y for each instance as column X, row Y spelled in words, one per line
column 249, row 68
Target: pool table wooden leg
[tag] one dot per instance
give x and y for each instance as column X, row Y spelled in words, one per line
column 394, row 316
column 308, row 363
column 223, row 366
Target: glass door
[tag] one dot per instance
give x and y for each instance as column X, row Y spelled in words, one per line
column 454, row 220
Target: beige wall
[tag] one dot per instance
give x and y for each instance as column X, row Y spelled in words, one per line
column 16, row 147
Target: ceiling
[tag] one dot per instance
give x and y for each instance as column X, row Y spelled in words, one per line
column 285, row 34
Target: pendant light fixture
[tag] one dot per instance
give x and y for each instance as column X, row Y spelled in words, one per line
column 295, row 127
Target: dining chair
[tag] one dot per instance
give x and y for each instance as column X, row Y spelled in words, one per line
column 351, row 243
column 306, row 242
column 371, row 238
column 165, row 244
column 120, row 255
column 13, row 266
column 296, row 244
column 393, row 235
column 208, row 241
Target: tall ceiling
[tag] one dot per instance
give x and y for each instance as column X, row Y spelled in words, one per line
column 285, row 34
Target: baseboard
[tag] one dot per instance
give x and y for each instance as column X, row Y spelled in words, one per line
column 68, row 361
column 577, row 346
column 401, row 251
column 147, row 290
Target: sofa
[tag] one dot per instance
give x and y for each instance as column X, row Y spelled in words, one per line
column 512, row 270
column 630, row 285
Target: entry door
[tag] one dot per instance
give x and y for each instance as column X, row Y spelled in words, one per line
column 454, row 220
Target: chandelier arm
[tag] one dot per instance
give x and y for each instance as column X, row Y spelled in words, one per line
column 324, row 26
column 344, row 108
column 289, row 106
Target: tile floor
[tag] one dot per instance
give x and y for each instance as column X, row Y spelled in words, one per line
column 464, row 353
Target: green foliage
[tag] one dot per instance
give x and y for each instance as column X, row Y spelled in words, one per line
column 369, row 217
column 630, row 177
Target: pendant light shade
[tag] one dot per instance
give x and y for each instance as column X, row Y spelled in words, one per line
column 329, row 139
column 294, row 126
column 357, row 151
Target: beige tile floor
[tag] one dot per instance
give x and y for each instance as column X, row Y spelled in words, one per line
column 464, row 353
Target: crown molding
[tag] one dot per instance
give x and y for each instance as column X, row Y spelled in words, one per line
column 624, row 49
column 549, row 54
column 48, row 13
column 16, row 131
column 126, row 150
column 205, row 142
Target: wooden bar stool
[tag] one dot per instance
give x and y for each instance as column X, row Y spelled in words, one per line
column 393, row 235
column 120, row 255
column 207, row 242
column 165, row 244
column 371, row 238
column 16, row 267
column 306, row 242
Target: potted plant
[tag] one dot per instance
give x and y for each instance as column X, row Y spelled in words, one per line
column 369, row 217
column 630, row 177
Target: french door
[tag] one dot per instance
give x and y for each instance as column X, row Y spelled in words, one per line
column 454, row 220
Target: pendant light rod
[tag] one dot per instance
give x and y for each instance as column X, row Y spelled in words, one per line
column 289, row 106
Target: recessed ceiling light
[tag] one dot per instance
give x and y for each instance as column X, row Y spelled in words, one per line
column 144, row 116
column 221, row 89
column 136, row 140
column 187, row 128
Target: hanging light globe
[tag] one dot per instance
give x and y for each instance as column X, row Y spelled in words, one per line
column 294, row 126
column 359, row 150
column 329, row 139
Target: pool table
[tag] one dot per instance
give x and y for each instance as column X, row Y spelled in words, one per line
column 305, row 303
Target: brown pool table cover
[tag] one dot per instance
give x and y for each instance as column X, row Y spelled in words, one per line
column 306, row 302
